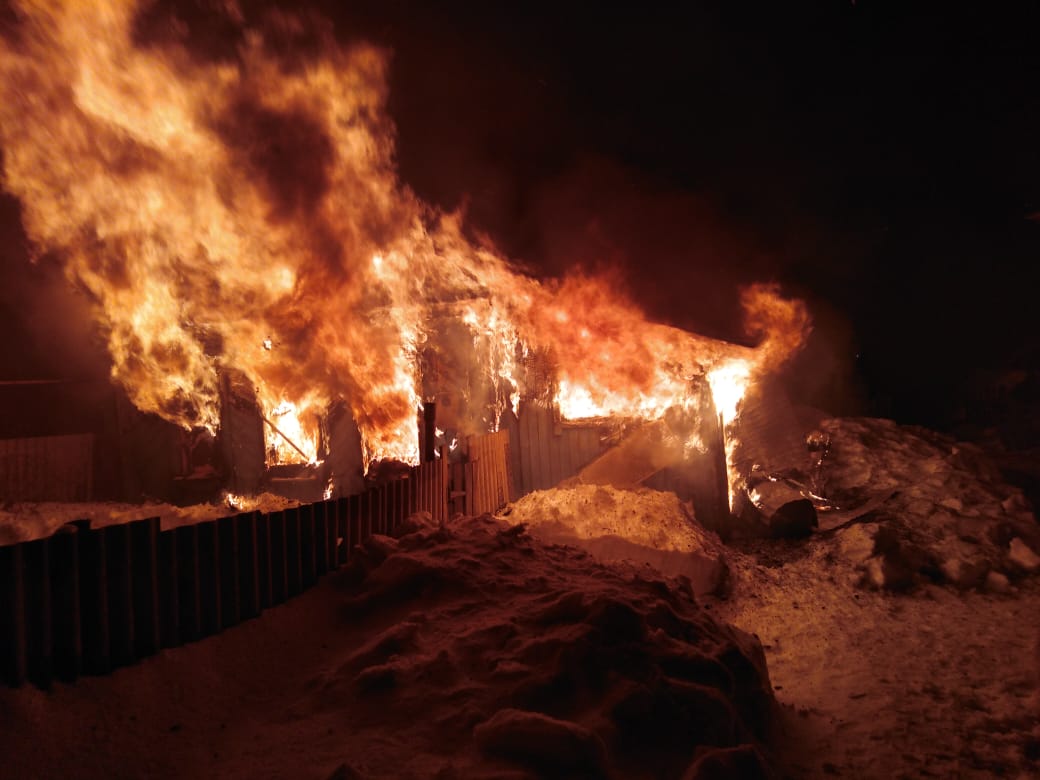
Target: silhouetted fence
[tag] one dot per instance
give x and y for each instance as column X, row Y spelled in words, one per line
column 86, row 600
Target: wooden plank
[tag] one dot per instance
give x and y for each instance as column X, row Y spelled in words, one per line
column 568, row 457
column 542, row 473
column 279, row 578
column 331, row 536
column 169, row 602
column 556, row 450
column 383, row 513
column 308, row 546
column 293, row 553
column 411, row 497
column 321, row 540
column 372, row 516
column 528, row 446
column 352, row 528
column 503, row 496
column 67, row 632
column 230, row 577
column 39, row 645
column 190, row 620
column 209, row 577
column 263, row 559
column 12, row 615
column 93, row 599
column 486, row 479
column 334, row 527
column 248, row 565
column 47, row 468
column 120, row 594
column 144, row 552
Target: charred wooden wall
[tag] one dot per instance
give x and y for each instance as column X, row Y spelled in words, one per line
column 545, row 451
column 47, row 468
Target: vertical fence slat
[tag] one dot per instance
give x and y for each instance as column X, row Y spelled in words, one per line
column 263, row 559
column 386, row 507
column 12, row 615
column 169, row 590
column 93, row 593
column 352, row 536
column 346, row 512
column 308, row 546
column 293, row 558
column 144, row 540
column 113, row 595
column 332, row 531
column 230, row 580
column 279, row 582
column 67, row 644
column 190, row 621
column 120, row 594
column 248, row 565
column 209, row 577
column 38, row 634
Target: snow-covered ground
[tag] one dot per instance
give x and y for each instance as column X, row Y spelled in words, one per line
column 465, row 651
column 905, row 643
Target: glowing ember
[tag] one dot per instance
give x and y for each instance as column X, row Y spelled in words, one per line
column 244, row 214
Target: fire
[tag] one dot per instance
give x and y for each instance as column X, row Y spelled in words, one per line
column 245, row 214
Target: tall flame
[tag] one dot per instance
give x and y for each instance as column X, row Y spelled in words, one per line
column 246, row 214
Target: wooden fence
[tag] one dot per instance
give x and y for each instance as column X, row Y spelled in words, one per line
column 47, row 468
column 488, row 481
column 86, row 600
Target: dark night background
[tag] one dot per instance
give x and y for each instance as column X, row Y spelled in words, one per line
column 879, row 160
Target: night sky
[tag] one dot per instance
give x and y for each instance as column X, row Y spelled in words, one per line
column 883, row 163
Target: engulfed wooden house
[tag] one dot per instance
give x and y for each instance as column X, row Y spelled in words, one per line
column 66, row 441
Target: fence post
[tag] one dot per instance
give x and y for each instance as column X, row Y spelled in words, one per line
column 68, row 644
column 144, row 540
column 12, row 615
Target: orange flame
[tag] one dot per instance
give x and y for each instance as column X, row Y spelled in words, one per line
column 246, row 214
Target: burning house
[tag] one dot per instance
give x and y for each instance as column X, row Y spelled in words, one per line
column 257, row 270
column 521, row 488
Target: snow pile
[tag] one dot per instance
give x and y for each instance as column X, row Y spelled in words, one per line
column 491, row 651
column 951, row 519
column 23, row 521
column 645, row 526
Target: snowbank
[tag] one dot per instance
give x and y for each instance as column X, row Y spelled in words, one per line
column 643, row 526
column 22, row 521
column 951, row 518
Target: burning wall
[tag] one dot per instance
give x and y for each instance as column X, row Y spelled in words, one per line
column 243, row 214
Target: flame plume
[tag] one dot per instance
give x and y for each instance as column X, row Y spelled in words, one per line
column 246, row 214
